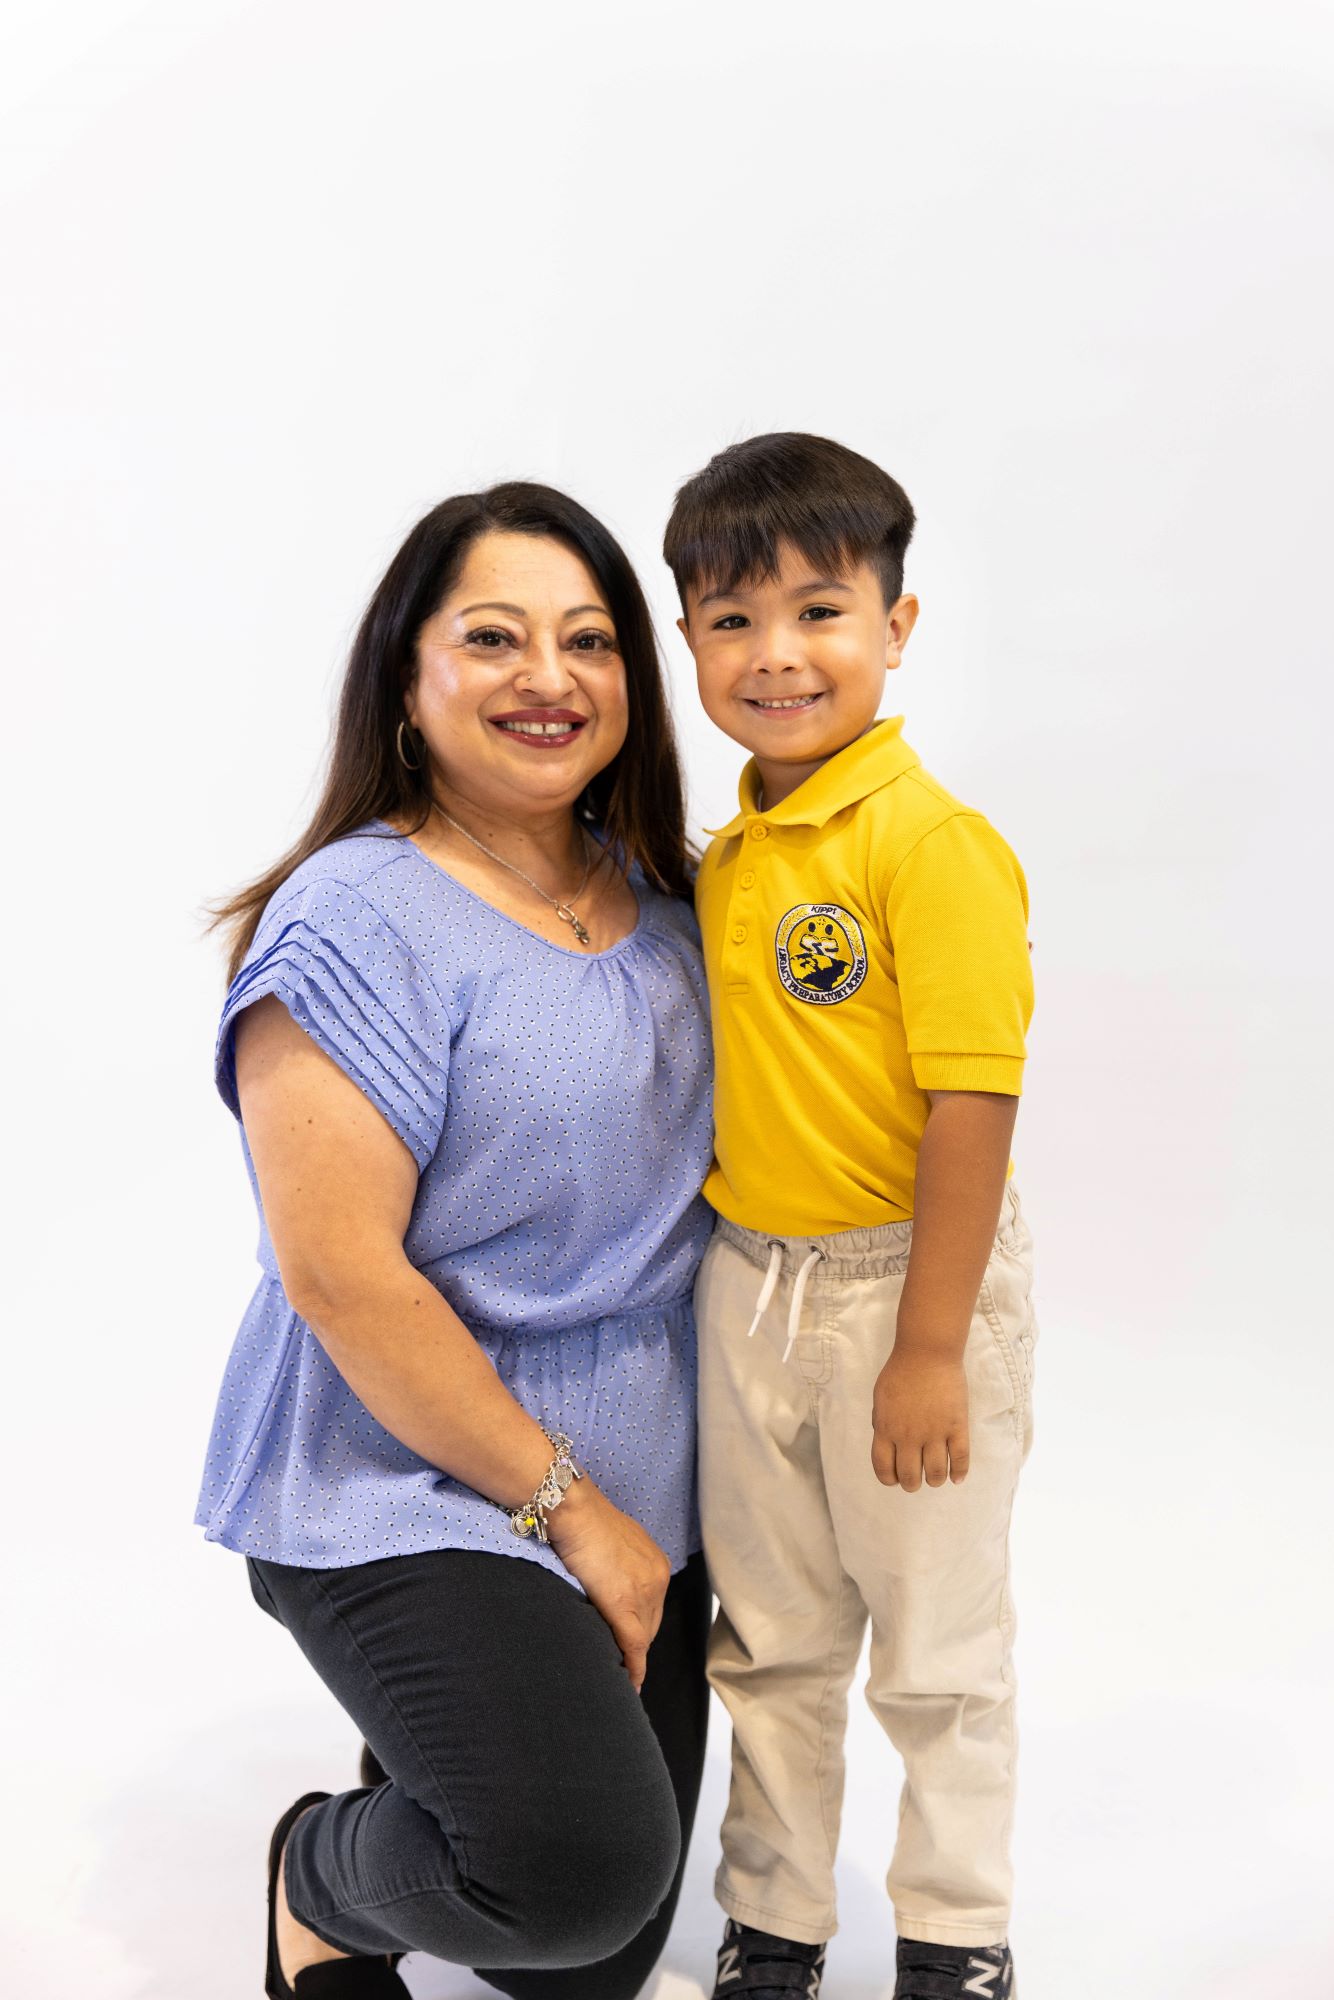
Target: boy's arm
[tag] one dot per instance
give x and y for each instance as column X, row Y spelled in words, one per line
column 920, row 1413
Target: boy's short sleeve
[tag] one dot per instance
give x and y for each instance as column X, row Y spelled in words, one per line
column 348, row 980
column 958, row 921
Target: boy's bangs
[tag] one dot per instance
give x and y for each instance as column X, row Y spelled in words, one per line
column 748, row 551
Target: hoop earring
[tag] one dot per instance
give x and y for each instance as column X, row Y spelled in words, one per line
column 398, row 744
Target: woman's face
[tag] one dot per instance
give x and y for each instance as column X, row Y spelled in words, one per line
column 520, row 690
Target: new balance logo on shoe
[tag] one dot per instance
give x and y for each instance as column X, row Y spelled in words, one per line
column 985, row 1982
column 754, row 1965
column 728, row 1967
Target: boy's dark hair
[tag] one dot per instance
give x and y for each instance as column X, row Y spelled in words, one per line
column 730, row 521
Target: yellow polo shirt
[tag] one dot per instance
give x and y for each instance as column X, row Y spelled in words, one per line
column 866, row 941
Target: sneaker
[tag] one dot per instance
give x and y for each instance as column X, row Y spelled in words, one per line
column 765, row 1967
column 954, row 1971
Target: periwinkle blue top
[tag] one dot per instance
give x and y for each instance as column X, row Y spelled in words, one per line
column 557, row 1103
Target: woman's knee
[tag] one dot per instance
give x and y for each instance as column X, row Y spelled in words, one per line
column 625, row 1883
column 586, row 1891
column 567, row 1892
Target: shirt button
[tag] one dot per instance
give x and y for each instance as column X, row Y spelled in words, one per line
column 759, row 832
column 748, row 878
column 738, row 933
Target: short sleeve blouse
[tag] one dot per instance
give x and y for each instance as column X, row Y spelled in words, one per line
column 557, row 1103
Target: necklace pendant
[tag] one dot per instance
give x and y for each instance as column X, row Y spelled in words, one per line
column 567, row 916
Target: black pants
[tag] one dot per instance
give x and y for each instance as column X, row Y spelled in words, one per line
column 537, row 1812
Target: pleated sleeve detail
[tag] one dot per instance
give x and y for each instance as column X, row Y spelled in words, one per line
column 352, row 984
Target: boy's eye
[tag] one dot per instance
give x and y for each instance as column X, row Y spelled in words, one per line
column 733, row 622
column 489, row 637
column 819, row 612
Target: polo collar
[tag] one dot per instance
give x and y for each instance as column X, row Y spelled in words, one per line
column 874, row 760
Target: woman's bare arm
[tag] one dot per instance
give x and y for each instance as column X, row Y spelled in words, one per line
column 337, row 1185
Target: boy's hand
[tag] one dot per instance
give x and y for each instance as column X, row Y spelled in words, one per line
column 920, row 1410
column 920, row 1419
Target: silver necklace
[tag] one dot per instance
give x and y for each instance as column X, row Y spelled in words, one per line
column 565, row 910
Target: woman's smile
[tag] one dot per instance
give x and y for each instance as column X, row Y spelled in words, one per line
column 540, row 728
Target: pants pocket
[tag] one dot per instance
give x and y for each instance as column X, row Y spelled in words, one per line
column 1006, row 1304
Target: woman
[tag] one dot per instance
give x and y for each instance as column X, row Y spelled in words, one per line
column 466, row 1039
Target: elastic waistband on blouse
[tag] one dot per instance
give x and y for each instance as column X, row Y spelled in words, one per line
column 630, row 1318
column 491, row 1330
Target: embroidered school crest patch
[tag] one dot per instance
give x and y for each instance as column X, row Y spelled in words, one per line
column 821, row 953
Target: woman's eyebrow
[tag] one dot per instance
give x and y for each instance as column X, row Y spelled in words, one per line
column 517, row 610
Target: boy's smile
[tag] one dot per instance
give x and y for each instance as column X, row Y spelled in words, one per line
column 793, row 666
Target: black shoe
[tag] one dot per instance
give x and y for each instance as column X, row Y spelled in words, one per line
column 338, row 1978
column 373, row 1772
column 767, row 1968
column 953, row 1971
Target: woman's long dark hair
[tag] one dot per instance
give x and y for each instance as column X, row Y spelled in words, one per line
column 638, row 801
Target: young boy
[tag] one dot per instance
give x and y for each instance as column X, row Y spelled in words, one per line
column 865, row 1321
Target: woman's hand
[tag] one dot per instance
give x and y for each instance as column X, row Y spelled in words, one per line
column 623, row 1571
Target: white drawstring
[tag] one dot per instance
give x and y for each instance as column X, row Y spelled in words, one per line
column 770, row 1286
column 799, row 1299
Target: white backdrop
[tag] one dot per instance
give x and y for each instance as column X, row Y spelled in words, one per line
column 279, row 277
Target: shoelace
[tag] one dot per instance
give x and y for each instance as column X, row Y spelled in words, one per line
column 770, row 1286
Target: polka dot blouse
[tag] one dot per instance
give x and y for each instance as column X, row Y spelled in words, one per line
column 557, row 1102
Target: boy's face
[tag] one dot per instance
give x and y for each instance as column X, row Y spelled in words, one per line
column 794, row 668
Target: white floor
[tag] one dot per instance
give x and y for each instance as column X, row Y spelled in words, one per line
column 1155, row 1863
column 1172, row 1845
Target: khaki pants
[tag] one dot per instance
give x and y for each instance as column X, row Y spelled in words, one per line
column 804, row 1545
